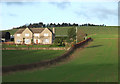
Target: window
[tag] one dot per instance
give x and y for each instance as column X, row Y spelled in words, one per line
column 18, row 40
column 27, row 35
column 46, row 40
column 18, row 34
column 45, row 34
column 27, row 41
column 36, row 35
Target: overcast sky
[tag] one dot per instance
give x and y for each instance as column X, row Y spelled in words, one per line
column 14, row 14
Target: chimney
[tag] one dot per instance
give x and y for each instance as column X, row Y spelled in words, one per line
column 53, row 30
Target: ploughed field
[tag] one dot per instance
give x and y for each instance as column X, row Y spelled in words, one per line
column 98, row 62
column 16, row 57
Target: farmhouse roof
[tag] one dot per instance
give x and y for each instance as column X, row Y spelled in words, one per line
column 19, row 31
column 50, row 30
column 36, row 30
column 33, row 30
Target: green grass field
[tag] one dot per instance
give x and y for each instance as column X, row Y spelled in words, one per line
column 98, row 62
column 15, row 57
column 12, row 31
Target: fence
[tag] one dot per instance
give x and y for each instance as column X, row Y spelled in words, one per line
column 53, row 48
column 45, row 63
column 9, row 43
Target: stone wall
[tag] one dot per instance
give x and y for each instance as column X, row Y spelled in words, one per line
column 52, row 48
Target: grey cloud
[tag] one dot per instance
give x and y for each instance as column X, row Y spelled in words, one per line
column 99, row 13
column 82, row 14
column 18, row 3
column 14, row 3
column 8, row 14
column 13, row 15
column 105, row 11
column 61, row 5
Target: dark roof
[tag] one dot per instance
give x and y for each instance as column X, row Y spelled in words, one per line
column 34, row 30
column 50, row 30
column 19, row 31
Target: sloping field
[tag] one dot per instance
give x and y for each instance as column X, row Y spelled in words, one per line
column 16, row 57
column 98, row 62
column 12, row 31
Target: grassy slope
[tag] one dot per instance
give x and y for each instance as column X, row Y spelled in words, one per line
column 96, row 63
column 12, row 31
column 14, row 57
column 88, row 30
column 99, row 30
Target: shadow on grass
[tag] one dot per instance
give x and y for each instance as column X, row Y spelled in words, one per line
column 94, row 46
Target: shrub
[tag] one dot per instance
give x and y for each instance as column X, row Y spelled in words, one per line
column 81, row 35
column 71, row 34
column 59, row 41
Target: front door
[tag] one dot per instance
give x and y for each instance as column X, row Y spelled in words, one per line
column 27, row 41
column 37, row 41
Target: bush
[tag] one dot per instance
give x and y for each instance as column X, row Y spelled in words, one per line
column 71, row 34
column 59, row 41
column 81, row 35
column 12, row 39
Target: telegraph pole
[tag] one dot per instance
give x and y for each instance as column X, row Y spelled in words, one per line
column 76, row 34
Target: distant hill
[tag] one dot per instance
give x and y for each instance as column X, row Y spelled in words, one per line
column 11, row 31
column 63, row 30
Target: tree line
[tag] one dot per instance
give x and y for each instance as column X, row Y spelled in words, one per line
column 41, row 24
